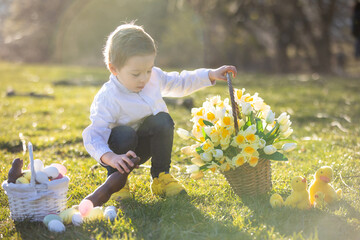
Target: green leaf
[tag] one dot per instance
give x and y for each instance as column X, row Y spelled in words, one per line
column 204, row 134
column 207, row 123
column 199, row 150
column 275, row 156
column 259, row 128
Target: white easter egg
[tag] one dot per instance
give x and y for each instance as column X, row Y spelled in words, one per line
column 41, row 177
column 56, row 226
column 110, row 214
column 110, row 207
column 50, row 217
column 51, row 171
column 77, row 219
column 38, row 165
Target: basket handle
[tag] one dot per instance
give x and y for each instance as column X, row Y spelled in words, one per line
column 31, row 156
column 234, row 106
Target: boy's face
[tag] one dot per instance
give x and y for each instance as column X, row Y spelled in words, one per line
column 136, row 72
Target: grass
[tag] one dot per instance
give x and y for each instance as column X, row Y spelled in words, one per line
column 325, row 112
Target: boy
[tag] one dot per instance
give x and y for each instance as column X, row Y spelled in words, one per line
column 129, row 117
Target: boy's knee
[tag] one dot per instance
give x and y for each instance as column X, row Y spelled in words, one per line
column 122, row 139
column 163, row 122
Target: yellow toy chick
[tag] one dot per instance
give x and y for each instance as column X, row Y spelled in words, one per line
column 323, row 177
column 319, row 200
column 276, row 200
column 299, row 198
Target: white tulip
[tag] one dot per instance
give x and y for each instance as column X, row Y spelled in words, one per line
column 262, row 143
column 246, row 109
column 270, row 117
column 217, row 153
column 270, row 149
column 192, row 169
column 250, row 130
column 197, row 175
column 287, row 147
column 188, row 150
column 183, row 133
column 285, row 127
column 283, row 118
column 197, row 161
column 206, row 156
column 287, row 133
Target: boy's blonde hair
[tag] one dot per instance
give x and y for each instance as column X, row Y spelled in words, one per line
column 126, row 41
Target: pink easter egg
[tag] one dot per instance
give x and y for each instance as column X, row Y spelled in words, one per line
column 85, row 207
column 60, row 176
column 62, row 169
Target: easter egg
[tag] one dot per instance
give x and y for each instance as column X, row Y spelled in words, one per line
column 41, row 177
column 62, row 169
column 51, row 171
column 110, row 214
column 38, row 165
column 96, row 213
column 60, row 176
column 50, row 217
column 76, row 207
column 77, row 219
column 56, row 226
column 27, row 174
column 22, row 180
column 110, row 207
column 66, row 215
column 85, row 207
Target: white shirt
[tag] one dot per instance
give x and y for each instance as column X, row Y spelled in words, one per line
column 115, row 105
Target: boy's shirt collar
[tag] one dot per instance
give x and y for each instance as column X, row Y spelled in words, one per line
column 118, row 84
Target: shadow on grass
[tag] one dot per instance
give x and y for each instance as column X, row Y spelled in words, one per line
column 322, row 223
column 176, row 218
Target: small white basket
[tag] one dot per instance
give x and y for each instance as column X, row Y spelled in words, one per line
column 35, row 201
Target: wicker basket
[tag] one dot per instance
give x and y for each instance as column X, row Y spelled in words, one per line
column 35, row 201
column 247, row 180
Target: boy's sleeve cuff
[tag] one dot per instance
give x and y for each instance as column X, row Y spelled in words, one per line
column 99, row 154
column 204, row 74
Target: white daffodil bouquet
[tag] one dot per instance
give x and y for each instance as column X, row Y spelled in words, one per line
column 218, row 146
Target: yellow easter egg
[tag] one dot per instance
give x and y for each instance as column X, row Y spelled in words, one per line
column 66, row 215
column 22, row 180
column 96, row 213
column 27, row 174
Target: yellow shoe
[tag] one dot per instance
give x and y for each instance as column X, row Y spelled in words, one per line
column 123, row 194
column 166, row 185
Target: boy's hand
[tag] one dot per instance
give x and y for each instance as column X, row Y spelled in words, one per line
column 119, row 162
column 220, row 73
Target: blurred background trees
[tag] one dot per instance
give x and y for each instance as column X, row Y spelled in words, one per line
column 255, row 35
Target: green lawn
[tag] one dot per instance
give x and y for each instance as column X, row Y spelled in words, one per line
column 325, row 112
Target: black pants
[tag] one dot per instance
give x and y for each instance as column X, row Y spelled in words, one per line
column 154, row 139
